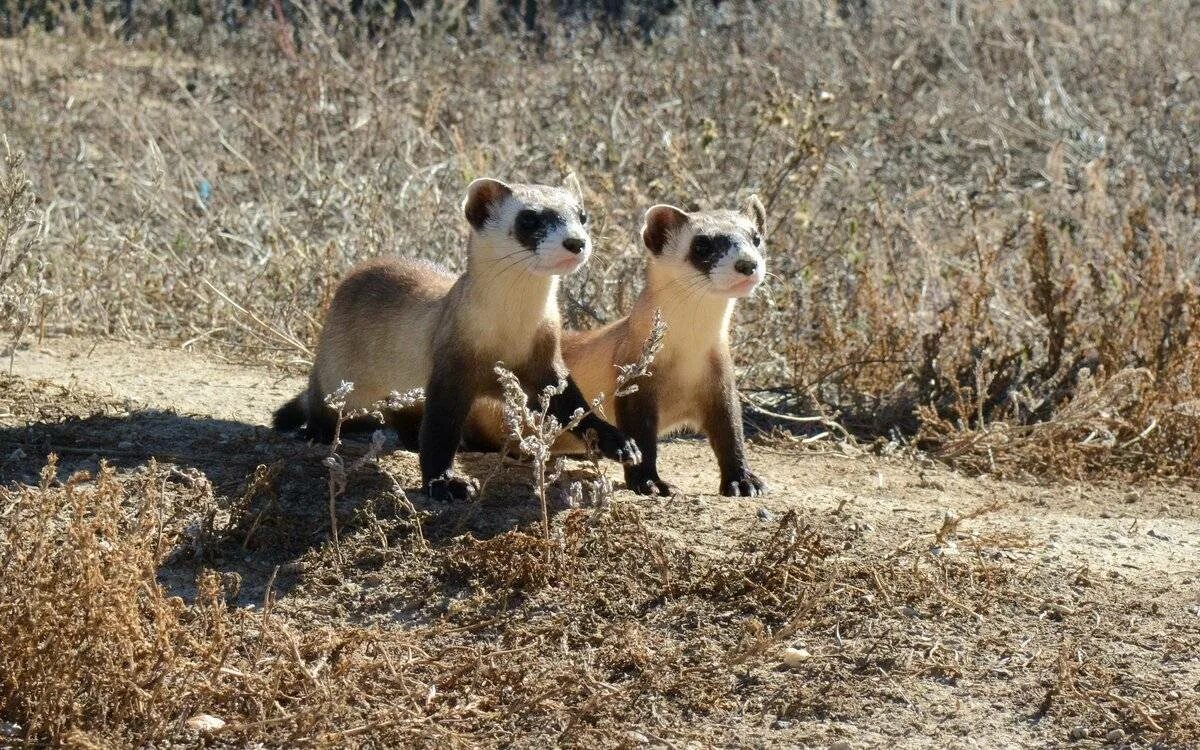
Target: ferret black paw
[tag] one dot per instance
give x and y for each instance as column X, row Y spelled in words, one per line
column 448, row 487
column 615, row 445
column 743, row 485
column 641, row 484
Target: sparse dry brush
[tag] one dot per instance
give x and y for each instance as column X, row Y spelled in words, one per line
column 607, row 628
column 968, row 207
column 23, row 292
column 982, row 232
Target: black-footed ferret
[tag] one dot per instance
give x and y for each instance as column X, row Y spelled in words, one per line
column 699, row 264
column 398, row 324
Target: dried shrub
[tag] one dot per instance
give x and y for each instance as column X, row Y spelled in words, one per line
column 90, row 639
column 942, row 264
column 467, row 643
column 23, row 292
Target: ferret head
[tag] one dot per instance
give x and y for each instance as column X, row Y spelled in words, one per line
column 723, row 248
column 543, row 229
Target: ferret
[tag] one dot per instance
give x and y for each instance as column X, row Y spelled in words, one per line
column 699, row 264
column 397, row 324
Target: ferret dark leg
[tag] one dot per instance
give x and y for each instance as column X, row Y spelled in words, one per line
column 546, row 368
column 448, row 398
column 322, row 422
column 723, row 424
column 321, row 419
column 407, row 424
column 637, row 415
column 612, row 443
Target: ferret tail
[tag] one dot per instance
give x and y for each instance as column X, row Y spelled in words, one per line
column 291, row 415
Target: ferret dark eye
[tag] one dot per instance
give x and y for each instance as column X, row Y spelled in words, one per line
column 756, row 239
column 702, row 247
column 583, row 217
column 528, row 220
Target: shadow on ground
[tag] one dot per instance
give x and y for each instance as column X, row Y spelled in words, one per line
column 268, row 504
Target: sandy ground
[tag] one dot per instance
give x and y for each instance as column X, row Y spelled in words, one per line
column 1119, row 562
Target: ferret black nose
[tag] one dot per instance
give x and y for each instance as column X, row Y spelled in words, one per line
column 574, row 245
column 746, row 267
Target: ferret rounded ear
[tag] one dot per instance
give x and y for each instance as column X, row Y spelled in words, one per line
column 571, row 182
column 755, row 210
column 662, row 221
column 482, row 195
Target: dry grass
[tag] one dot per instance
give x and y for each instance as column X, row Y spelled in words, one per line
column 982, row 229
column 966, row 208
column 607, row 629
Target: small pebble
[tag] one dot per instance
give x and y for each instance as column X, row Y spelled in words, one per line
column 9, row 729
column 637, row 737
column 765, row 515
column 1079, row 733
column 1115, row 735
column 794, row 657
column 205, row 723
column 909, row 612
column 840, row 745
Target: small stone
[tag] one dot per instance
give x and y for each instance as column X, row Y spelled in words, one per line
column 1060, row 610
column 794, row 657
column 637, row 737
column 910, row 613
column 781, row 724
column 1079, row 733
column 9, row 729
column 1158, row 535
column 840, row 745
column 765, row 515
column 1115, row 736
column 205, row 723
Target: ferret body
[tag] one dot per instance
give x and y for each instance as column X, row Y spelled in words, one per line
column 397, row 324
column 699, row 263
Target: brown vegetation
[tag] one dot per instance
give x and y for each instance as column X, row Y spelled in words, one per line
column 967, row 210
column 608, row 631
column 982, row 224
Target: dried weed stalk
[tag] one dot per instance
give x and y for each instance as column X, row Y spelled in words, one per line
column 465, row 643
column 338, row 470
column 535, row 430
column 23, row 289
column 1051, row 230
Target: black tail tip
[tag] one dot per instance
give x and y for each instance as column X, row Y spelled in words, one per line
column 290, row 416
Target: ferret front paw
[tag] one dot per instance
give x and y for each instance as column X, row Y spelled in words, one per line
column 643, row 483
column 617, row 446
column 450, row 486
column 743, row 484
